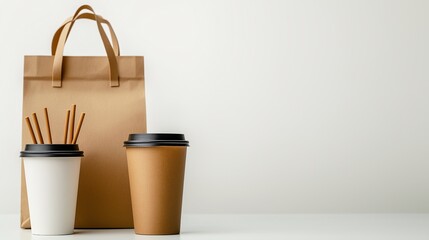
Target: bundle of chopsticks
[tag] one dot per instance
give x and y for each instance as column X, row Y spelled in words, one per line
column 70, row 136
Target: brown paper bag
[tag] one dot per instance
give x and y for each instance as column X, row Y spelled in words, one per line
column 110, row 90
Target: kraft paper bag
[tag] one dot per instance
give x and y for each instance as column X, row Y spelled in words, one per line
column 110, row 90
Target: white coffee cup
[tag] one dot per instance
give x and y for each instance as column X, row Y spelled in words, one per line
column 52, row 177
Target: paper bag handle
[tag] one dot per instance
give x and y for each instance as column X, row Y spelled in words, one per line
column 89, row 16
column 58, row 57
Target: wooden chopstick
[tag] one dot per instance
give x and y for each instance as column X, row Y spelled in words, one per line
column 48, row 126
column 66, row 127
column 39, row 133
column 30, row 128
column 72, row 118
column 82, row 116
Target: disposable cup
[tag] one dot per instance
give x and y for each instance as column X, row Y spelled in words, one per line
column 156, row 167
column 52, row 176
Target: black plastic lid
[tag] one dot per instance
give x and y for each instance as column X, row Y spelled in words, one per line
column 51, row 150
column 155, row 139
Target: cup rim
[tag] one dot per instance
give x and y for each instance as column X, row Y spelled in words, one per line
column 156, row 139
column 51, row 150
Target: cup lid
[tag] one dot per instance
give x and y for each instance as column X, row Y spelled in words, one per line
column 51, row 150
column 155, row 139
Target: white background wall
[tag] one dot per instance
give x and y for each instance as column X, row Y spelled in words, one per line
column 290, row 106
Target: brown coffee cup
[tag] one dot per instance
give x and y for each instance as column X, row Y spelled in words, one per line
column 156, row 167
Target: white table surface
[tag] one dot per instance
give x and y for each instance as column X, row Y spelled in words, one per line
column 264, row 227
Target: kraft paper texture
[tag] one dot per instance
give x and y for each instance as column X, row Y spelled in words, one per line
column 111, row 114
column 156, row 179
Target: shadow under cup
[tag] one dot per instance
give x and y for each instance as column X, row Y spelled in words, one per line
column 156, row 167
column 52, row 177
